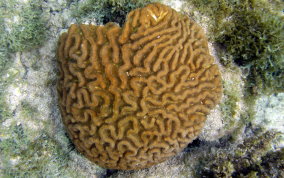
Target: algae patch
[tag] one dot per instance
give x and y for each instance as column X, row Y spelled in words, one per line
column 24, row 28
column 252, row 157
column 30, row 144
column 252, row 33
column 104, row 11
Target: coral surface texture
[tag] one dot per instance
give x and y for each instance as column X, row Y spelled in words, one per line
column 134, row 96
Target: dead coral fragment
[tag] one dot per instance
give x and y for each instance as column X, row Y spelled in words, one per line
column 132, row 97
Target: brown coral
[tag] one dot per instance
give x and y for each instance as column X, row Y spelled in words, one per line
column 132, row 97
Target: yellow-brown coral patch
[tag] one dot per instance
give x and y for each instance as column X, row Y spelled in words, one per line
column 132, row 97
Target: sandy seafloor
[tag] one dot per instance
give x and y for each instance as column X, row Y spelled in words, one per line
column 32, row 99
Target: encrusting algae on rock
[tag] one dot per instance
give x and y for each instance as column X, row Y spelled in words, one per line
column 134, row 96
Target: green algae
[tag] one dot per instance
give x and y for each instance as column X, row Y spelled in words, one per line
column 6, row 78
column 104, row 11
column 250, row 158
column 256, row 43
column 229, row 107
column 28, row 110
column 33, row 150
column 26, row 151
column 34, row 158
column 21, row 28
column 273, row 163
column 24, row 27
column 4, row 66
column 252, row 33
column 246, row 117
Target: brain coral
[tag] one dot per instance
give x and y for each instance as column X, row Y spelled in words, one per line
column 132, row 97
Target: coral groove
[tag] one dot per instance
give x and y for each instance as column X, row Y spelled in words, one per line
column 132, row 97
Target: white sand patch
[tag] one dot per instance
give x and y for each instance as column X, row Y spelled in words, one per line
column 270, row 114
column 175, row 4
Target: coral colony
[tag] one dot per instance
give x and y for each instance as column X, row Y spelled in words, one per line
column 134, row 96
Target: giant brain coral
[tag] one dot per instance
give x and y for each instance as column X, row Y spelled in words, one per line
column 132, row 97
